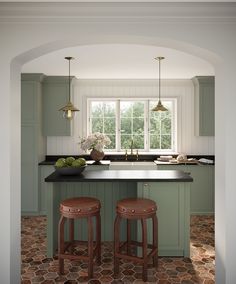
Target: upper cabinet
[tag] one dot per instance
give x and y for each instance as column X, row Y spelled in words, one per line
column 31, row 98
column 33, row 144
column 204, row 103
column 55, row 96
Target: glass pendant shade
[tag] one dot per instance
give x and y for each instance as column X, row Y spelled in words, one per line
column 159, row 106
column 69, row 110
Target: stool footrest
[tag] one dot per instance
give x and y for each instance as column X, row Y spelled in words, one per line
column 73, row 257
column 127, row 256
column 77, row 243
column 136, row 243
column 136, row 258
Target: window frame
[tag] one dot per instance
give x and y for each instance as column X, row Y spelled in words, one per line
column 146, row 122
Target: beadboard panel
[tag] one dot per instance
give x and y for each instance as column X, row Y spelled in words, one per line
column 183, row 90
column 107, row 192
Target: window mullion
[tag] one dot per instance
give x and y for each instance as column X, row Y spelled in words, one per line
column 118, row 126
column 89, row 120
column 147, row 126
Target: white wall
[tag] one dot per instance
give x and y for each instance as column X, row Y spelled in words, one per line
column 181, row 89
column 202, row 29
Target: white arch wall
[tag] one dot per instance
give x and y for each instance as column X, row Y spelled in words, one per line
column 201, row 29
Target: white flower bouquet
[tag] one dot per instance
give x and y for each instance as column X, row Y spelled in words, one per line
column 95, row 141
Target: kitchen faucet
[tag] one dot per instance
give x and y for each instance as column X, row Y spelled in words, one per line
column 131, row 151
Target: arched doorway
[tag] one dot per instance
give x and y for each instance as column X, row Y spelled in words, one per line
column 25, row 55
column 126, row 37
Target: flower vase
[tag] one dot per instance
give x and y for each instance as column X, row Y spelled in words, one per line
column 96, row 155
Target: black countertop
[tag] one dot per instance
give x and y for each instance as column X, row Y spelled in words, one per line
column 121, row 175
column 51, row 159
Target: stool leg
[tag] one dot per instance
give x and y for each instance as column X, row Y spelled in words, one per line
column 71, row 224
column 98, row 237
column 128, row 236
column 155, row 239
column 61, row 244
column 90, row 247
column 144, row 244
column 116, row 244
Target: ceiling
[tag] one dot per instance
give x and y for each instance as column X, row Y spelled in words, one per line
column 201, row 1
column 120, row 61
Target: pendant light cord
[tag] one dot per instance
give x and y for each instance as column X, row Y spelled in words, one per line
column 69, row 79
column 159, row 79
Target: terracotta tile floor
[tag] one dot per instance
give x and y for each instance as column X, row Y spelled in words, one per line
column 36, row 268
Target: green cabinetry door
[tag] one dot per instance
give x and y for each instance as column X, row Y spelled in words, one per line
column 32, row 142
column 173, row 213
column 202, row 188
column 55, row 96
column 204, row 104
column 44, row 171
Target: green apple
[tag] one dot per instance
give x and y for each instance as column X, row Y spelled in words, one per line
column 60, row 163
column 76, row 164
column 70, row 160
column 82, row 161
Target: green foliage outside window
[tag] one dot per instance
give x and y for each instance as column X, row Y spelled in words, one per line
column 103, row 120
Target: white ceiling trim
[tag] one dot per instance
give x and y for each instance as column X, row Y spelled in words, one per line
column 118, row 12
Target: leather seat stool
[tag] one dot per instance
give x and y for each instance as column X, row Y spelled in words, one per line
column 136, row 209
column 71, row 209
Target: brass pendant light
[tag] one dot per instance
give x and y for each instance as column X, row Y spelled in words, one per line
column 69, row 109
column 159, row 106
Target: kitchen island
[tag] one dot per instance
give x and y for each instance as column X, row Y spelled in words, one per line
column 170, row 189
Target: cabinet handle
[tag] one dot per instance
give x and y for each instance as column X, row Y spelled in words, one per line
column 188, row 173
column 145, row 184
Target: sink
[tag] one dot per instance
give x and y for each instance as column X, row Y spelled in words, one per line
column 132, row 165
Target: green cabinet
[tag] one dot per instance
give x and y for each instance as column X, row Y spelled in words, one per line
column 107, row 192
column 55, row 96
column 204, row 105
column 43, row 172
column 46, row 170
column 202, row 188
column 173, row 216
column 33, row 144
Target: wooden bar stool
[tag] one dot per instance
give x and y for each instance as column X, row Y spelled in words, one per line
column 136, row 209
column 74, row 208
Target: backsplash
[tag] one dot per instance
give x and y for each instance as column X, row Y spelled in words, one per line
column 180, row 89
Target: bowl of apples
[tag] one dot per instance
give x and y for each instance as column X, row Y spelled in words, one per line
column 70, row 166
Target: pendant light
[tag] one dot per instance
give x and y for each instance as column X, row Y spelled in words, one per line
column 159, row 106
column 69, row 109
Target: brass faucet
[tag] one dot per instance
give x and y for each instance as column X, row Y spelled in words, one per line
column 131, row 151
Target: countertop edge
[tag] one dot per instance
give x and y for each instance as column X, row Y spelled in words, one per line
column 121, row 175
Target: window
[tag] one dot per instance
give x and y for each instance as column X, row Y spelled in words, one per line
column 125, row 120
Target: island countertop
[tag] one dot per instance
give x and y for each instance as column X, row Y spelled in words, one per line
column 123, row 175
